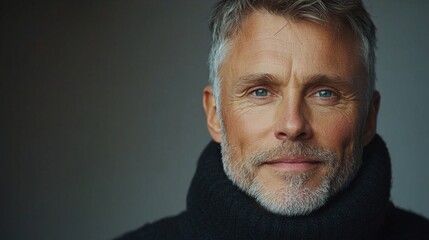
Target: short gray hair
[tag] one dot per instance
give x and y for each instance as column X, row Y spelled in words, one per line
column 229, row 15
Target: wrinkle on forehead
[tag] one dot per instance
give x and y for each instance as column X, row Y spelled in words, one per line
column 281, row 29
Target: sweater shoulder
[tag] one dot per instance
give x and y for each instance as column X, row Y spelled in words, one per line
column 404, row 224
column 166, row 228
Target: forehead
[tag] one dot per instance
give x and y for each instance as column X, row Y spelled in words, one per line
column 271, row 42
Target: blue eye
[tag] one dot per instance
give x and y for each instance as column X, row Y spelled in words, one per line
column 261, row 92
column 325, row 93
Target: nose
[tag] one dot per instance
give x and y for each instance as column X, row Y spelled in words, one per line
column 291, row 121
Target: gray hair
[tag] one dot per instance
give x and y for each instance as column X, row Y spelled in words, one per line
column 228, row 16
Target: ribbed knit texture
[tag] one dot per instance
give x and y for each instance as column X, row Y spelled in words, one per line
column 218, row 210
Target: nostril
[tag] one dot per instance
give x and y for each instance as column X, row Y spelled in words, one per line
column 281, row 136
column 292, row 135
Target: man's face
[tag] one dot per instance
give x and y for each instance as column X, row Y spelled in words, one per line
column 292, row 122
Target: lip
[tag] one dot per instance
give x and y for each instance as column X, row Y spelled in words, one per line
column 295, row 164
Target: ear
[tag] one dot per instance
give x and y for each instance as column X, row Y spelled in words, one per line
column 213, row 121
column 370, row 128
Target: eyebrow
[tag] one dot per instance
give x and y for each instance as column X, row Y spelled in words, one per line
column 271, row 80
column 258, row 79
column 322, row 78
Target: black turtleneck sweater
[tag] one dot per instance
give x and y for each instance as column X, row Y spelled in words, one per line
column 216, row 209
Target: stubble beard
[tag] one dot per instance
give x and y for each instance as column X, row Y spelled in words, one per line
column 294, row 197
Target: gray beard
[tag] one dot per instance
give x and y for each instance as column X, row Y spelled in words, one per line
column 294, row 198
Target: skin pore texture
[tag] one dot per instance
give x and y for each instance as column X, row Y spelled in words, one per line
column 293, row 116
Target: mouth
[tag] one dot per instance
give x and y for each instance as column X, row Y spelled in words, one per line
column 293, row 164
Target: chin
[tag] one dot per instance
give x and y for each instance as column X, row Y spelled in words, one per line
column 293, row 196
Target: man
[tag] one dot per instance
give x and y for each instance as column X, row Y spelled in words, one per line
column 292, row 111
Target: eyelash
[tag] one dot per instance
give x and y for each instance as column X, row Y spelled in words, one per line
column 332, row 93
column 254, row 92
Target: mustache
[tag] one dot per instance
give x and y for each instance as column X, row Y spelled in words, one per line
column 292, row 149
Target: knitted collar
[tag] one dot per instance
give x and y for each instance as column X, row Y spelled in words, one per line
column 216, row 209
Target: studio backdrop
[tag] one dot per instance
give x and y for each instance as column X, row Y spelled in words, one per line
column 101, row 111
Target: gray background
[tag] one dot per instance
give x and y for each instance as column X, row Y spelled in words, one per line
column 101, row 117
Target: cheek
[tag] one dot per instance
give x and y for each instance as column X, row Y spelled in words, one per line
column 337, row 131
column 246, row 128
